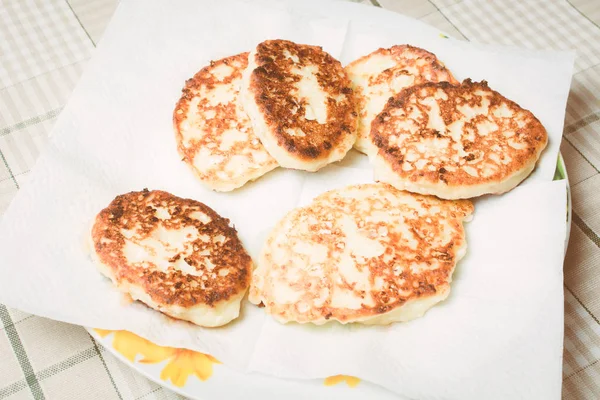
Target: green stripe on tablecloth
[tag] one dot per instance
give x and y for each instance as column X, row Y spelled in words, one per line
column 580, row 369
column 67, row 363
column 585, row 121
column 583, row 14
column 580, row 153
column 13, row 388
column 80, row 24
column 13, row 323
column 593, row 236
column 583, row 305
column 31, row 121
column 12, row 176
column 112, row 381
column 50, row 371
column 19, row 351
column 150, row 392
column 448, row 19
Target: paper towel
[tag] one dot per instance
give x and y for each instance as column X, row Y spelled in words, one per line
column 499, row 335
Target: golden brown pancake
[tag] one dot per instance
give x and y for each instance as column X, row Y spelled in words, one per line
column 214, row 135
column 300, row 103
column 176, row 255
column 365, row 253
column 455, row 141
column 386, row 72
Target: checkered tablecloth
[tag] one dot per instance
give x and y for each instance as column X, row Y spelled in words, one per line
column 44, row 46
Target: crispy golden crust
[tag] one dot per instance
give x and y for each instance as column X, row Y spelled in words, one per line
column 273, row 87
column 214, row 135
column 384, row 73
column 407, row 57
column 212, row 248
column 456, row 136
column 359, row 252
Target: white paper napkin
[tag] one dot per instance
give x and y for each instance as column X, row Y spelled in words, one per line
column 499, row 335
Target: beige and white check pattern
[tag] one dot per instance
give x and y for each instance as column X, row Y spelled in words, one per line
column 44, row 45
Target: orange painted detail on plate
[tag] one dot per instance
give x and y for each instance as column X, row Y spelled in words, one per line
column 351, row 381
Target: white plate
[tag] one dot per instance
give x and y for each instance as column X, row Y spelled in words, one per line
column 198, row 376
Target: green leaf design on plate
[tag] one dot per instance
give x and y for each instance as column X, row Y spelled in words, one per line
column 559, row 173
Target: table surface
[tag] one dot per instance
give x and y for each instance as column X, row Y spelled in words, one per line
column 44, row 47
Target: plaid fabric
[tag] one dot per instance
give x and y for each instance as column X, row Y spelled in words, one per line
column 44, row 45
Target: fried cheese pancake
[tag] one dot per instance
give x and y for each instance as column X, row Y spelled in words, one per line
column 455, row 141
column 365, row 253
column 214, row 135
column 176, row 255
column 386, row 72
column 300, row 102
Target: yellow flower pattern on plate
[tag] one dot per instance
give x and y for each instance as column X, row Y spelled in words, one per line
column 182, row 362
column 351, row 381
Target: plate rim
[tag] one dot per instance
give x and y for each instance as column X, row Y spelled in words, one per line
column 132, row 364
column 562, row 174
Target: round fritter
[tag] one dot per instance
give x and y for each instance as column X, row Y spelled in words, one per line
column 214, row 135
column 455, row 141
column 365, row 253
column 176, row 255
column 300, row 103
column 386, row 72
